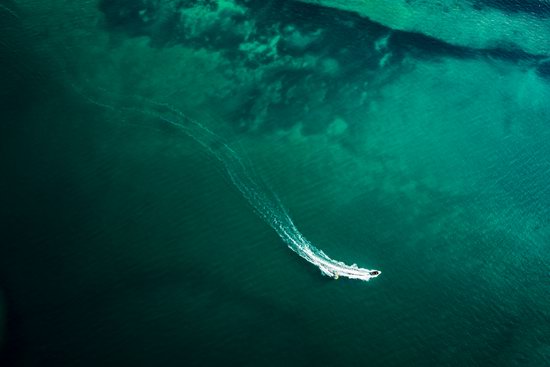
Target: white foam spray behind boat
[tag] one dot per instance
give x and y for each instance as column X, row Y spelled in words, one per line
column 266, row 204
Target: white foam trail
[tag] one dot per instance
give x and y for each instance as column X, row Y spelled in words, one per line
column 268, row 206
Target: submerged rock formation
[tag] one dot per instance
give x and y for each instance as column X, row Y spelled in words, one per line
column 467, row 23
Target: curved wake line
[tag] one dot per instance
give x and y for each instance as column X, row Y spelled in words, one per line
column 9, row 11
column 268, row 207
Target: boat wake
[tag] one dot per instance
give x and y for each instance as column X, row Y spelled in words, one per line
column 266, row 204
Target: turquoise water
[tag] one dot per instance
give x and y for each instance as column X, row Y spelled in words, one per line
column 126, row 240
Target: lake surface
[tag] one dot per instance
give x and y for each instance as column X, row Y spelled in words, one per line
column 130, row 237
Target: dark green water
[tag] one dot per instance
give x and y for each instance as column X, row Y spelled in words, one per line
column 124, row 241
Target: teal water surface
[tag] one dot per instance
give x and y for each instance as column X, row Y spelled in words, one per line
column 126, row 241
